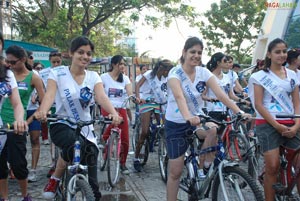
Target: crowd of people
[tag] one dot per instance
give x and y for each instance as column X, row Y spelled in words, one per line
column 189, row 88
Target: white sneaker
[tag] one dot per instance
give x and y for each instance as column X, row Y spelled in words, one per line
column 46, row 142
column 32, row 176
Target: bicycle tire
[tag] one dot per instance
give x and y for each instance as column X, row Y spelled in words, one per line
column 144, row 152
column 136, row 134
column 238, row 145
column 163, row 157
column 245, row 187
column 85, row 189
column 113, row 159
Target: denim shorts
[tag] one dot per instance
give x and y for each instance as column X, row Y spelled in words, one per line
column 269, row 138
column 35, row 125
column 176, row 138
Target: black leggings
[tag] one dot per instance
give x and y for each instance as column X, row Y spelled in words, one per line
column 14, row 152
column 63, row 136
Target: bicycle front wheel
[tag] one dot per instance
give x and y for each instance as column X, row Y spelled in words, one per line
column 238, row 186
column 113, row 159
column 136, row 133
column 162, row 157
column 83, row 191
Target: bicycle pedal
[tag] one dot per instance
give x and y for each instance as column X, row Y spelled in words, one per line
column 279, row 188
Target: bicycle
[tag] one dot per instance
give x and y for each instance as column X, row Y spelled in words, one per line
column 288, row 171
column 110, row 155
column 227, row 180
column 75, row 178
column 154, row 136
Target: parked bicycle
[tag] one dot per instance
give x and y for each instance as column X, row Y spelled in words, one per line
column 227, row 180
column 289, row 171
column 74, row 183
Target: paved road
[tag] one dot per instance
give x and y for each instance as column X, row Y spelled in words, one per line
column 144, row 186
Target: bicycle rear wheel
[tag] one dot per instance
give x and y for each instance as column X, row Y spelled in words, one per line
column 238, row 185
column 162, row 157
column 113, row 159
column 136, row 133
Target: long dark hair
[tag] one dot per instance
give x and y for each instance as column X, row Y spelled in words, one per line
column 189, row 43
column 271, row 46
column 163, row 65
column 116, row 60
column 3, row 70
column 18, row 52
column 213, row 62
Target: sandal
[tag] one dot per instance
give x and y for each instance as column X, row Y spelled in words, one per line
column 251, row 133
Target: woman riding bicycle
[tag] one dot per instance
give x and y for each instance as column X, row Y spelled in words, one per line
column 72, row 88
column 115, row 84
column 13, row 143
column 154, row 85
column 186, row 83
column 275, row 90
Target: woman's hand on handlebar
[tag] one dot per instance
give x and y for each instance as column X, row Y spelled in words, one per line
column 20, row 126
column 116, row 119
column 194, row 121
column 40, row 115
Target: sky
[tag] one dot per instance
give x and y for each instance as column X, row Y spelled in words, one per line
column 168, row 42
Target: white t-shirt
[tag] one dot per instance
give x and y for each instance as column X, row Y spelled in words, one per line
column 30, row 105
column 145, row 89
column 44, row 74
column 162, row 83
column 202, row 76
column 233, row 76
column 115, row 90
column 286, row 85
column 225, row 85
column 7, row 87
column 90, row 80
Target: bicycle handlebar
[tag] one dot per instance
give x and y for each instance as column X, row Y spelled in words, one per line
column 80, row 123
column 290, row 116
column 205, row 118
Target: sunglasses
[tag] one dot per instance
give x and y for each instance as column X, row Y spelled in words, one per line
column 12, row 62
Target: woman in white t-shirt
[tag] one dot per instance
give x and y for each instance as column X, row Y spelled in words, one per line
column 154, row 84
column 216, row 65
column 72, row 88
column 115, row 84
column 13, row 143
column 275, row 90
column 186, row 83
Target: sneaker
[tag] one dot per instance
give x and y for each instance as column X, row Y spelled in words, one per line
column 50, row 172
column 46, row 142
column 50, row 189
column 27, row 198
column 137, row 165
column 201, row 174
column 32, row 176
column 124, row 169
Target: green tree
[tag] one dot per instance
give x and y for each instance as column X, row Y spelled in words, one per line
column 293, row 33
column 54, row 22
column 233, row 27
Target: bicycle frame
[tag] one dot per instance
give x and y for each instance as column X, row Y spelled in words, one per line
column 216, row 168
